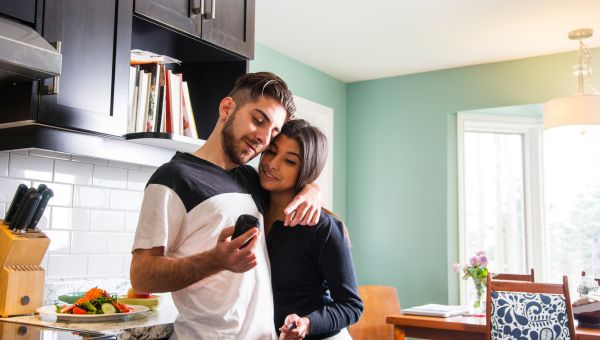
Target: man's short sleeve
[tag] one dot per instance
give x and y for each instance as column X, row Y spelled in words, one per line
column 161, row 218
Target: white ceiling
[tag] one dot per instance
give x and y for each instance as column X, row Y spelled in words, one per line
column 354, row 40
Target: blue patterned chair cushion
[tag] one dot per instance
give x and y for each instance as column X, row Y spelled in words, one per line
column 529, row 316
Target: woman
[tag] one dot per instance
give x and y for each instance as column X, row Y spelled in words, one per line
column 314, row 285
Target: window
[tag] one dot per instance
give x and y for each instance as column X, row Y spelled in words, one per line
column 498, row 161
column 525, row 212
column 572, row 197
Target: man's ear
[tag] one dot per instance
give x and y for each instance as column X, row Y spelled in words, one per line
column 227, row 106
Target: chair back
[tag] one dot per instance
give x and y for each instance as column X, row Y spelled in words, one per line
column 515, row 277
column 529, row 310
column 379, row 302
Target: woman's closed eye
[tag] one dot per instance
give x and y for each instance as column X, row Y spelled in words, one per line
column 290, row 162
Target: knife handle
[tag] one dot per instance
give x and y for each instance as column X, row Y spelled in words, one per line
column 29, row 207
column 41, row 188
column 46, row 196
column 20, row 207
column 10, row 213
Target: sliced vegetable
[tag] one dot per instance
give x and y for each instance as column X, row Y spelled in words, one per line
column 77, row 310
column 108, row 308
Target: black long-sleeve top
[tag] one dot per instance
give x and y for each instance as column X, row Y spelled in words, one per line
column 313, row 276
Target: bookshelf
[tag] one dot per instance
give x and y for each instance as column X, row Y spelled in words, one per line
column 209, row 71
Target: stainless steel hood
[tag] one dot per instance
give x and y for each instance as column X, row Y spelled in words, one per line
column 25, row 55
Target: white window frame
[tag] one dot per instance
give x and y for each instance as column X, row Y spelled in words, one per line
column 531, row 130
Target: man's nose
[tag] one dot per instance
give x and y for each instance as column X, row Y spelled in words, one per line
column 263, row 136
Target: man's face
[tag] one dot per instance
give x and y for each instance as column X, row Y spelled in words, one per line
column 250, row 128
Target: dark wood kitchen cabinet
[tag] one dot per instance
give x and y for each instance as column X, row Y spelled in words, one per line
column 92, row 90
column 228, row 24
column 96, row 38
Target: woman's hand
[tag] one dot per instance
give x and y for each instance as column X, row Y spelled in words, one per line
column 305, row 209
column 300, row 328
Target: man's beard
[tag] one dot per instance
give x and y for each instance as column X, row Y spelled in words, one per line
column 229, row 144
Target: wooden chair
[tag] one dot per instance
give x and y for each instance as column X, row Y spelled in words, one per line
column 522, row 308
column 379, row 302
column 515, row 277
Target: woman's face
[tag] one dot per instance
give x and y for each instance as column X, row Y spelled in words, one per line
column 280, row 164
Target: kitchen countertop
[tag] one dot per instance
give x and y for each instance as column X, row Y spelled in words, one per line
column 156, row 324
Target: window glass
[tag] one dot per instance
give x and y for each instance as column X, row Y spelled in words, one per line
column 494, row 216
column 572, row 202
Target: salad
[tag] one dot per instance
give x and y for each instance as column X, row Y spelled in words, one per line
column 95, row 301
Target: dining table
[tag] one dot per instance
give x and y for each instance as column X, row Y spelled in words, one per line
column 461, row 327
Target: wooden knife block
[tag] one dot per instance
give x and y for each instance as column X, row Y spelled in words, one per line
column 21, row 277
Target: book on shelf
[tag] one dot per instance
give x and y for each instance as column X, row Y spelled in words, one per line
column 159, row 99
column 189, row 122
column 431, row 309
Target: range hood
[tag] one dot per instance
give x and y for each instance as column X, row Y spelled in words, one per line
column 25, row 55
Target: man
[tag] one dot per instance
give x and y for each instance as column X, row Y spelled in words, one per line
column 182, row 243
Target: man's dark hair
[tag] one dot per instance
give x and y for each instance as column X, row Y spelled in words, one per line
column 313, row 149
column 252, row 86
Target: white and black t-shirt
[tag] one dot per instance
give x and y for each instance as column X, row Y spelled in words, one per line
column 186, row 205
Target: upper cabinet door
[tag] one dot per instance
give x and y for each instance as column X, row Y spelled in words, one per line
column 95, row 42
column 226, row 23
column 175, row 13
column 230, row 24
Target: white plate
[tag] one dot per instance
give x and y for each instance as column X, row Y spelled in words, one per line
column 50, row 312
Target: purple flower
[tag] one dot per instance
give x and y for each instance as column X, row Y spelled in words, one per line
column 480, row 253
column 473, row 261
column 483, row 260
column 456, row 267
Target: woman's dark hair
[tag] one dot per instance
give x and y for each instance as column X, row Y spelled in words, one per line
column 313, row 149
column 252, row 86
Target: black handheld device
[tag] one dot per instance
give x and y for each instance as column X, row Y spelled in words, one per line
column 243, row 224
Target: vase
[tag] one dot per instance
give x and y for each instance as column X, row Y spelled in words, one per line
column 480, row 297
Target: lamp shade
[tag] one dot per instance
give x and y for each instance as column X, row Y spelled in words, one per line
column 574, row 110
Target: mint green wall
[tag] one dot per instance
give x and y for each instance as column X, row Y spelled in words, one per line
column 395, row 158
column 401, row 165
column 318, row 87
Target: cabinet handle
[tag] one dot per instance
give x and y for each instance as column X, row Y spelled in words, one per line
column 209, row 15
column 198, row 7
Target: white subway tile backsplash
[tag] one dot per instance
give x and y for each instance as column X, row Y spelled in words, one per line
column 4, row 164
column 126, row 263
column 109, row 177
column 83, row 242
column 131, row 221
column 73, row 173
column 48, row 154
column 63, row 193
column 67, row 265
column 148, row 168
column 30, row 167
column 44, row 222
column 126, row 200
column 21, row 151
column 90, row 160
column 104, row 265
column 8, row 188
column 70, row 218
column 136, row 180
column 92, row 218
column 120, row 242
column 90, row 197
column 59, row 241
column 107, row 220
column 116, row 164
